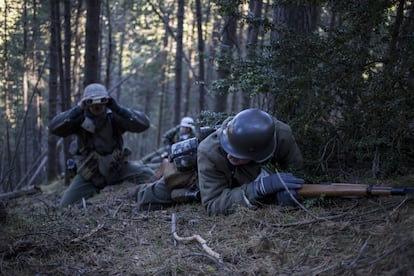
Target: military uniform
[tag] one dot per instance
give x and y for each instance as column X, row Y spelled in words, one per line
column 99, row 139
column 223, row 186
column 172, row 136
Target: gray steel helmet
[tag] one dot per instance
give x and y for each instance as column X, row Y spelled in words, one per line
column 250, row 135
column 95, row 91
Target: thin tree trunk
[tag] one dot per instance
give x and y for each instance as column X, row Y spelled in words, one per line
column 53, row 87
column 189, row 80
column 228, row 41
column 178, row 61
column 25, row 86
column 201, row 81
column 251, row 44
column 76, row 93
column 6, row 181
column 121, row 54
column 109, row 53
column 92, row 36
column 164, row 80
column 66, row 81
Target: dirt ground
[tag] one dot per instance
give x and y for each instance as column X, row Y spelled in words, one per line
column 108, row 236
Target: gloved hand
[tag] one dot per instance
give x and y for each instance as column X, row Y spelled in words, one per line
column 113, row 105
column 273, row 183
column 283, row 198
column 82, row 104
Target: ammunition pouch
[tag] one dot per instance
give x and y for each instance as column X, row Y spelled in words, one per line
column 106, row 165
column 174, row 179
column 110, row 165
column 89, row 166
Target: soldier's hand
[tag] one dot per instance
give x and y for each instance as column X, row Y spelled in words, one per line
column 83, row 103
column 275, row 183
column 113, row 105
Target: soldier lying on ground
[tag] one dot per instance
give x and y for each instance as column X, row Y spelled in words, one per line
column 229, row 170
column 99, row 121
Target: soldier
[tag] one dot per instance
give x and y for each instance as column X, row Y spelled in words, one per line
column 230, row 166
column 231, row 163
column 99, row 122
column 181, row 132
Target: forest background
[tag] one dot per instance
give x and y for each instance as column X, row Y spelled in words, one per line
column 340, row 73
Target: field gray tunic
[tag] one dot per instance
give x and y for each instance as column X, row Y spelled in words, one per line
column 223, row 186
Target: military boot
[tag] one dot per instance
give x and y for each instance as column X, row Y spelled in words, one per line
column 184, row 195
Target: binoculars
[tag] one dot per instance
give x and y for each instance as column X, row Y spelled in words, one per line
column 96, row 101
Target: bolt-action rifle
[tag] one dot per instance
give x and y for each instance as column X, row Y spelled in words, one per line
column 346, row 189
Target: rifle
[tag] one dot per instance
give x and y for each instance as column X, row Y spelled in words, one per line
column 346, row 189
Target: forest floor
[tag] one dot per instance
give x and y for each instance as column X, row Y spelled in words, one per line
column 109, row 236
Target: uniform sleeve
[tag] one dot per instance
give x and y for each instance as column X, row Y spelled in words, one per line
column 214, row 178
column 288, row 154
column 67, row 122
column 131, row 120
column 168, row 137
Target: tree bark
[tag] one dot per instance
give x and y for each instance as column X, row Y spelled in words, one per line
column 251, row 44
column 92, row 36
column 200, row 38
column 53, row 88
column 110, row 47
column 178, row 61
column 228, row 42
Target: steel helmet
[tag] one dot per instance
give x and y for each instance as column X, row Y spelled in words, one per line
column 95, row 91
column 250, row 135
column 187, row 122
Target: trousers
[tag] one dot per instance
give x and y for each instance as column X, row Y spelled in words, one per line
column 80, row 188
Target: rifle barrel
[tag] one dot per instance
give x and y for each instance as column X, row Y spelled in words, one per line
column 347, row 189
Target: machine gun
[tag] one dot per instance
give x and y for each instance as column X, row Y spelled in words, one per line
column 346, row 189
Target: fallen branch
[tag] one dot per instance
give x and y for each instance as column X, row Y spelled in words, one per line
column 15, row 194
column 87, row 235
column 195, row 237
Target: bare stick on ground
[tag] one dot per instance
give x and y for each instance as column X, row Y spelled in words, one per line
column 195, row 237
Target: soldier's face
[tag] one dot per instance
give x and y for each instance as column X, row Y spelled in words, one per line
column 185, row 129
column 237, row 161
column 97, row 109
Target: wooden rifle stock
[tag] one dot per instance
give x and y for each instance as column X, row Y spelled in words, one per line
column 346, row 189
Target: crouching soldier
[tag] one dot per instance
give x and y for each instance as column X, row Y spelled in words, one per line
column 99, row 122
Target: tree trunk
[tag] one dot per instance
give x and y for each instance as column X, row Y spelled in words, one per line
column 53, row 88
column 164, row 81
column 178, row 61
column 25, row 84
column 66, row 81
column 189, row 80
column 110, row 47
column 228, row 41
column 251, row 44
column 76, row 84
column 300, row 18
column 201, row 81
column 92, row 36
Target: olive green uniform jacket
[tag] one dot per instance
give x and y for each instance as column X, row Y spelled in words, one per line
column 223, row 187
